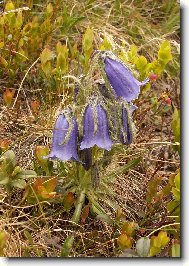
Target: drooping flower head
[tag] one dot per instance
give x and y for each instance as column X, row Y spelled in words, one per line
column 101, row 137
column 126, row 133
column 122, row 128
column 64, row 143
column 124, row 84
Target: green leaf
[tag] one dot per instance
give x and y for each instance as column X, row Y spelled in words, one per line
column 4, row 180
column 41, row 153
column 26, row 174
column 88, row 40
column 45, row 56
column 154, row 251
column 19, row 20
column 175, row 250
column 105, row 45
column 176, row 124
column 106, row 218
column 9, row 6
column 29, row 237
column 18, row 183
column 163, row 238
column 61, row 63
column 129, row 228
column 8, row 162
column 176, row 193
column 50, row 184
column 174, row 206
column 96, row 207
column 157, row 243
column 143, row 246
column 164, row 53
column 124, row 241
column 87, row 43
column 177, row 181
column 3, row 61
column 132, row 53
column 141, row 64
column 67, row 246
column 126, row 167
column 16, row 171
column 47, row 69
column 75, row 20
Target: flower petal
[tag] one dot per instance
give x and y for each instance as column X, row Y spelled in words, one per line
column 102, row 138
column 88, row 129
column 122, row 80
column 68, row 150
column 132, row 108
column 126, row 136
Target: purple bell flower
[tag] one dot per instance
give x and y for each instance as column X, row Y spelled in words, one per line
column 126, row 136
column 101, row 138
column 68, row 150
column 132, row 108
column 121, row 80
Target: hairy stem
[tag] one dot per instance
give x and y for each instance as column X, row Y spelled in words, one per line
column 68, row 243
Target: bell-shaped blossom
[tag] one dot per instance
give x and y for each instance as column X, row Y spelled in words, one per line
column 64, row 147
column 126, row 134
column 132, row 108
column 101, row 137
column 119, row 123
column 88, row 129
column 121, row 79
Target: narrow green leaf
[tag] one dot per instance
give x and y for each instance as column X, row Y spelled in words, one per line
column 176, row 124
column 126, row 167
column 177, row 181
column 61, row 63
column 106, row 218
column 87, row 43
column 29, row 237
column 67, row 246
column 176, row 193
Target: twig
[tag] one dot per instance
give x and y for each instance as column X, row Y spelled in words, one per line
column 21, row 84
column 167, row 225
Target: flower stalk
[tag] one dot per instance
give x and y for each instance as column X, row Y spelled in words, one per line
column 68, row 243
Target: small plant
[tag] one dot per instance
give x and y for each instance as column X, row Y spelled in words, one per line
column 83, row 139
column 108, row 184
column 12, row 175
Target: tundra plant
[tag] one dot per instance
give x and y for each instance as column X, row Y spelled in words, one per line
column 100, row 117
